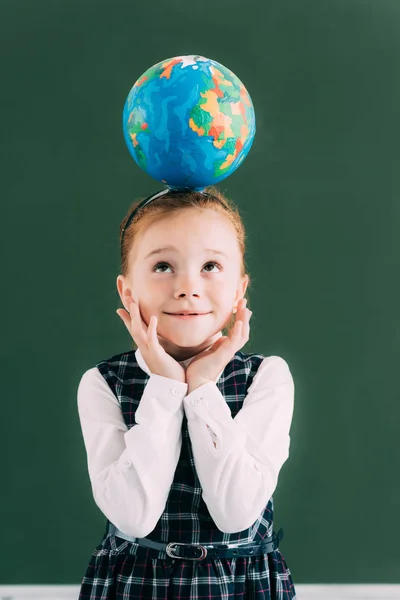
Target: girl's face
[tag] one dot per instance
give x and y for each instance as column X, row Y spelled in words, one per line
column 187, row 276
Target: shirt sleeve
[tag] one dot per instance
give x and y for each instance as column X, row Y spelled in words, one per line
column 238, row 460
column 131, row 471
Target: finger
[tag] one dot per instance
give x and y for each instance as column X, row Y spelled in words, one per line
column 244, row 315
column 238, row 328
column 247, row 317
column 152, row 329
column 234, row 340
column 242, row 329
column 235, row 333
column 241, row 313
column 138, row 331
column 132, row 322
column 136, row 319
column 246, row 326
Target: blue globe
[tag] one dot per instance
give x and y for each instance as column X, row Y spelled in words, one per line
column 188, row 122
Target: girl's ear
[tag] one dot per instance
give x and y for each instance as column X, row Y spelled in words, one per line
column 123, row 291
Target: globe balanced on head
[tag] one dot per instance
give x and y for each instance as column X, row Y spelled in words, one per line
column 188, row 122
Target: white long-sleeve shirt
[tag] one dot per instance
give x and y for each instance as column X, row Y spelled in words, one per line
column 237, row 460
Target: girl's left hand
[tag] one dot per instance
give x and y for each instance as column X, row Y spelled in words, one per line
column 207, row 365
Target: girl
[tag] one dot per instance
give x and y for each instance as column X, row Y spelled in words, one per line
column 185, row 434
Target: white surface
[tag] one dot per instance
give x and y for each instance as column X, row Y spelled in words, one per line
column 304, row 592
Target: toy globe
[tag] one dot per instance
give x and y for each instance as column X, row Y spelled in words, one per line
column 188, row 122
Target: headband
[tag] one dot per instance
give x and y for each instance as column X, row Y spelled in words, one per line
column 154, row 197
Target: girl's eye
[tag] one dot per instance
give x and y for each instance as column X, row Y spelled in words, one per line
column 165, row 263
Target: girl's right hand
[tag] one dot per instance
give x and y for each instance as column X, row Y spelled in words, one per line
column 145, row 337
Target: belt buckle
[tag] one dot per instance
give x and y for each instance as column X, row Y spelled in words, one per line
column 170, row 548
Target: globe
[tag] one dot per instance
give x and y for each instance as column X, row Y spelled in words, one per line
column 188, row 122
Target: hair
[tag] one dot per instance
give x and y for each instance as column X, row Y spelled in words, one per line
column 170, row 204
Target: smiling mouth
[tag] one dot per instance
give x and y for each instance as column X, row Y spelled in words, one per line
column 187, row 316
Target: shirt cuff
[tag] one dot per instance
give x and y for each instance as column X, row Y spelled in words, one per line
column 161, row 399
column 208, row 404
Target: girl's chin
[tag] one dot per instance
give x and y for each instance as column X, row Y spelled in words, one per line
column 188, row 339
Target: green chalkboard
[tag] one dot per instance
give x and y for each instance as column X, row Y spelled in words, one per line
column 319, row 194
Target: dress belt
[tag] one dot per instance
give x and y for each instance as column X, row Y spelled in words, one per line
column 199, row 551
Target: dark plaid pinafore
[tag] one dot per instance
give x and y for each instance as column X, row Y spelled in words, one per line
column 123, row 570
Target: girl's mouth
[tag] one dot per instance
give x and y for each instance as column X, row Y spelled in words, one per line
column 186, row 316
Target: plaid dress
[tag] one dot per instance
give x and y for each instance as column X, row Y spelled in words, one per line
column 123, row 570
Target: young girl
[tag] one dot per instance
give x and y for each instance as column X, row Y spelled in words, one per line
column 185, row 434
